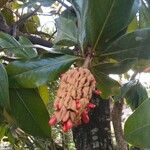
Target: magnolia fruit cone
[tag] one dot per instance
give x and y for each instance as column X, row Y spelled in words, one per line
column 72, row 101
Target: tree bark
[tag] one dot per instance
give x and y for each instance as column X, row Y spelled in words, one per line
column 95, row 135
column 117, row 124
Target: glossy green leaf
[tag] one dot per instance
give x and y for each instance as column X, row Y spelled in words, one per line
column 135, row 95
column 131, row 45
column 4, row 88
column 116, row 67
column 137, row 126
column 66, row 31
column 30, row 112
column 107, row 85
column 99, row 21
column 10, row 44
column 36, row 72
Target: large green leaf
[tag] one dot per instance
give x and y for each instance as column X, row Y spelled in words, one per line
column 10, row 44
column 99, row 21
column 107, row 85
column 36, row 72
column 30, row 112
column 116, row 67
column 131, row 45
column 4, row 88
column 137, row 126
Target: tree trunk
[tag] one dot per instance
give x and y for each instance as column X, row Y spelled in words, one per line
column 95, row 135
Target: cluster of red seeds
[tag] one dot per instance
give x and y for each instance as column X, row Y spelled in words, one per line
column 72, row 102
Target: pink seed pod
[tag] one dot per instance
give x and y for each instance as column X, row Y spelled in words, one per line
column 91, row 105
column 52, row 121
column 69, row 124
column 97, row 92
column 85, row 117
column 64, row 128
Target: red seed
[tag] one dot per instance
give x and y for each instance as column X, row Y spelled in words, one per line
column 85, row 117
column 69, row 124
column 52, row 121
column 97, row 92
column 64, row 128
column 91, row 105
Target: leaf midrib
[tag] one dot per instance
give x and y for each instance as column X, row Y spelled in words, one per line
column 103, row 27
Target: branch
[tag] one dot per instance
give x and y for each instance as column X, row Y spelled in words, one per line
column 39, row 41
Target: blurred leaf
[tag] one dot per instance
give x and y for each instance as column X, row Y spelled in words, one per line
column 36, row 72
column 133, row 25
column 116, row 67
column 30, row 112
column 15, row 5
column 136, row 95
column 131, row 45
column 137, row 126
column 144, row 14
column 3, row 2
column 107, row 85
column 4, row 88
column 8, row 15
column 44, row 93
column 66, row 31
column 10, row 44
column 2, row 131
column 99, row 21
column 31, row 24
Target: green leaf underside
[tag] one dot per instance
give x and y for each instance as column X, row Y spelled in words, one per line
column 36, row 72
column 137, row 126
column 30, row 112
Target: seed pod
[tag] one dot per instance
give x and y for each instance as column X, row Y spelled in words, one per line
column 52, row 121
column 72, row 101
